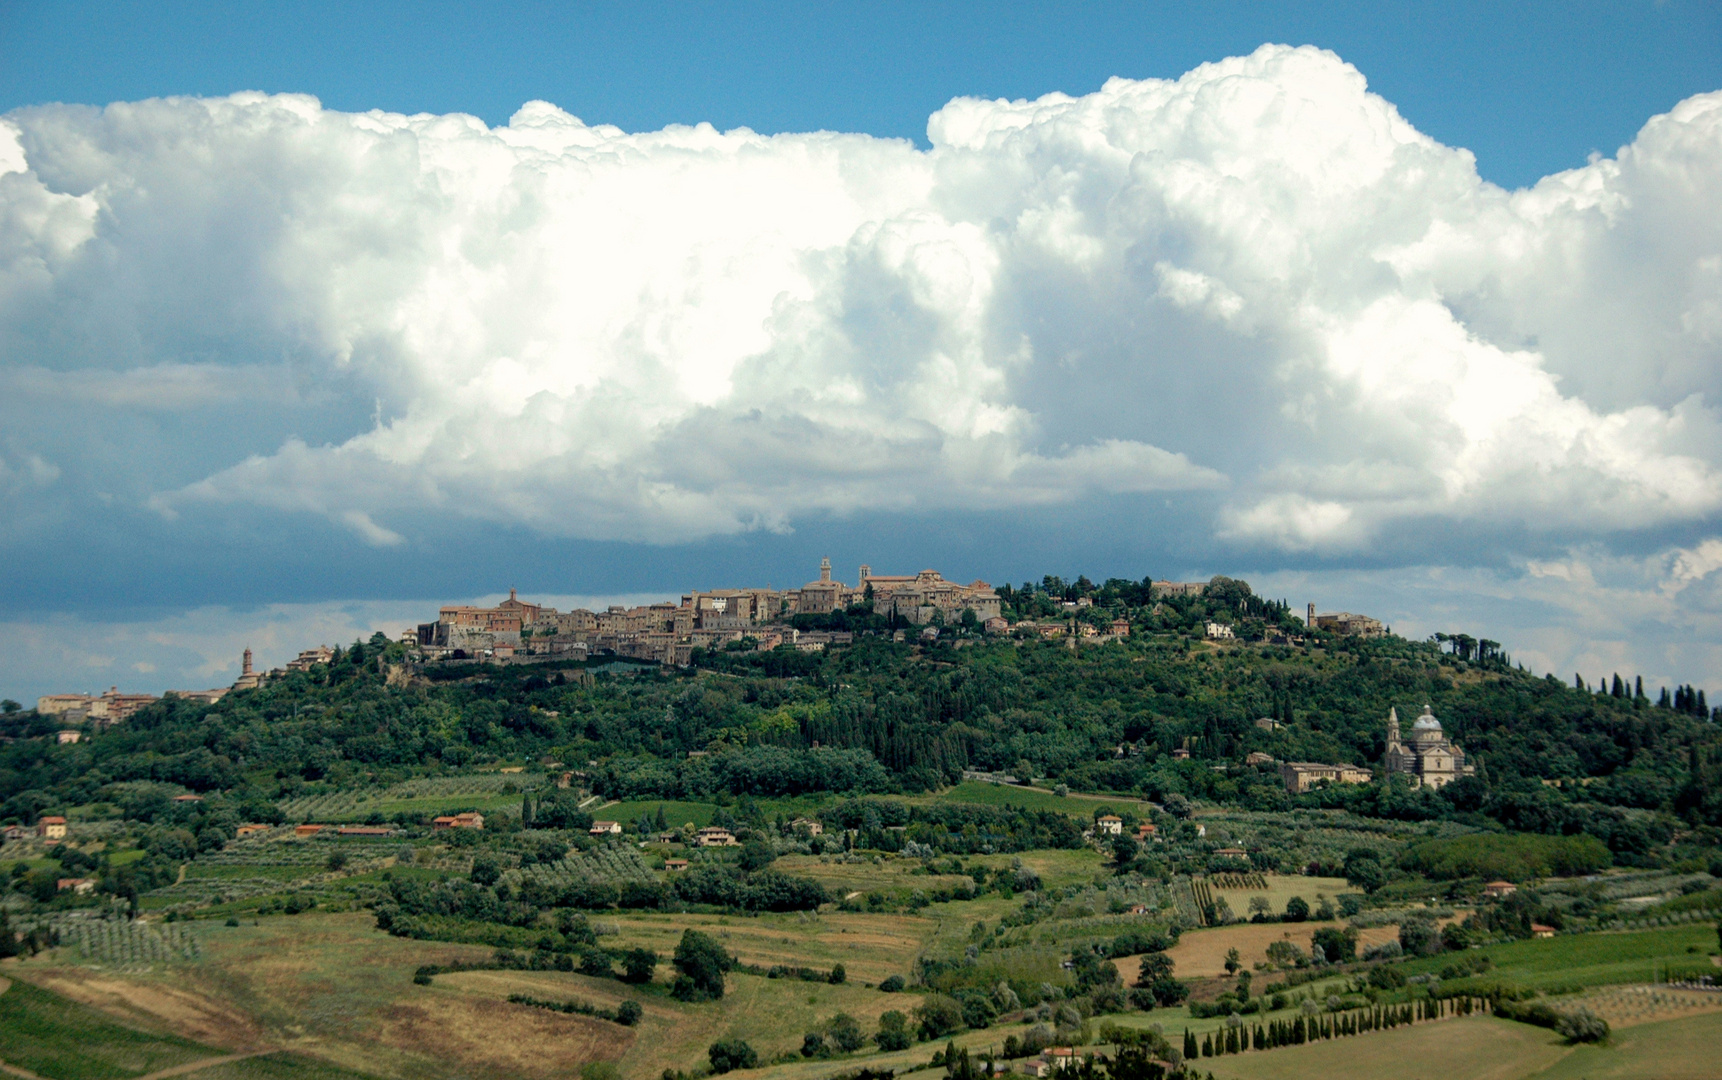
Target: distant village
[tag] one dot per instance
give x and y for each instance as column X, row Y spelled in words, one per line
column 917, row 607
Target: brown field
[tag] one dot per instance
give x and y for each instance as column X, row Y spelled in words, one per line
column 870, row 947
column 1203, row 952
column 1472, row 1048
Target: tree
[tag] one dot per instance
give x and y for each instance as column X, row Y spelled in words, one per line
column 846, row 1033
column 701, row 962
column 838, row 974
column 1233, row 963
column 1297, row 909
column 1338, row 945
column 728, row 1054
column 893, row 1031
column 628, row 1013
column 939, row 1015
column 757, row 855
column 596, row 962
column 638, row 965
column 485, row 867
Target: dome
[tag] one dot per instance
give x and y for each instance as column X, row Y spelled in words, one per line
column 1426, row 723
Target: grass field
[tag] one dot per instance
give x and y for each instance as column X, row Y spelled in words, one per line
column 1472, row 1048
column 1282, row 887
column 1032, row 798
column 1686, row 1049
column 1593, row 959
column 63, row 1040
column 1203, row 952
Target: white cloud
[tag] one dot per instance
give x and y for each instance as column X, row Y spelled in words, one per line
column 1257, row 281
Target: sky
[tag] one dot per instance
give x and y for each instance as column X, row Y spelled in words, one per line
column 315, row 316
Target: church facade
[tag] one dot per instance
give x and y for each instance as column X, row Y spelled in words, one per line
column 1429, row 757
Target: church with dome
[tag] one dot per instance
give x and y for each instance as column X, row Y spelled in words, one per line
column 1429, row 757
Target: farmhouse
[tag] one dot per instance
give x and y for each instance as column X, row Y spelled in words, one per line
column 712, row 836
column 675, row 866
column 78, row 885
column 307, row 830
column 468, row 820
column 606, row 828
column 1109, row 825
column 1499, row 890
column 51, row 827
column 249, row 830
column 1538, row 930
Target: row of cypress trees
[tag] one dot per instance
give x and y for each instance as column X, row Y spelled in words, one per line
column 1297, row 1031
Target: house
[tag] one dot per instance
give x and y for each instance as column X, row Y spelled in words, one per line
column 1538, row 930
column 468, row 820
column 1109, row 825
column 1499, row 890
column 712, row 836
column 1232, row 853
column 79, row 885
column 1139, row 909
column 249, row 830
column 1259, row 758
column 1147, row 831
column 998, row 624
column 1180, row 754
column 307, row 830
column 1220, row 632
column 813, row 828
column 187, row 798
column 14, row 832
column 64, row 737
column 364, row 830
column 51, row 827
column 675, row 866
column 606, row 828
column 1302, row 776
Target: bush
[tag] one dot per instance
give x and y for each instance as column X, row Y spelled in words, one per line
column 1297, row 909
column 893, row 1031
column 628, row 1013
column 892, row 984
column 939, row 1016
column 728, row 1054
column 701, row 962
column 638, row 965
column 838, row 974
column 1581, row 1025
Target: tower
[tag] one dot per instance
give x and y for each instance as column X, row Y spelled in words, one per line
column 1392, row 726
column 245, row 663
column 866, row 572
column 824, row 570
column 1309, row 620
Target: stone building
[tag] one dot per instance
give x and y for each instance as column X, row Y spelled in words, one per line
column 1302, row 776
column 1428, row 756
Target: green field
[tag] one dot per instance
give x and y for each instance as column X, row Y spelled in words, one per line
column 1473, row 1048
column 1592, row 959
column 63, row 1040
column 1685, row 1049
column 1034, row 798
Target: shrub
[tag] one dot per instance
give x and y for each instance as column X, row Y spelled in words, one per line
column 1297, row 909
column 892, row 984
column 728, row 1054
column 628, row 1013
column 893, row 1031
column 838, row 974
column 701, row 962
column 939, row 1016
column 1581, row 1025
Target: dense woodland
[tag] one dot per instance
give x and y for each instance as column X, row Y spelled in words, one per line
column 883, row 717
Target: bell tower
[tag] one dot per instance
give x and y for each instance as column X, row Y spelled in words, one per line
column 1392, row 726
column 245, row 663
column 824, row 570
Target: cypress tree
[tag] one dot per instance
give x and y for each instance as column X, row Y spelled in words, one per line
column 1207, row 1046
column 1189, row 1045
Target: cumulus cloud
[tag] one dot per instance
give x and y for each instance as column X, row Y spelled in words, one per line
column 1257, row 281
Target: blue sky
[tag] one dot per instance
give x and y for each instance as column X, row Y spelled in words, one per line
column 276, row 373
